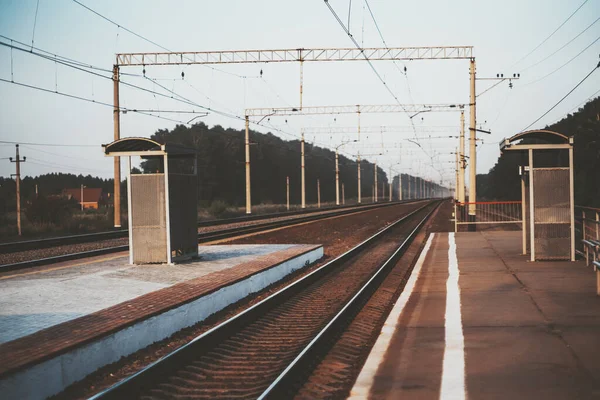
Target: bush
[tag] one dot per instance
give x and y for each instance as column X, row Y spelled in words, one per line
column 56, row 210
column 217, row 208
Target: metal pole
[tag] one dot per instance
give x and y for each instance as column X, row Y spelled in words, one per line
column 400, row 186
column 288, row 192
column 247, row 148
column 18, row 162
column 457, row 177
column 531, row 209
column 82, row 197
column 129, row 211
column 117, row 136
column 391, row 183
column 409, row 178
column 523, row 212
column 375, row 190
column 572, row 199
column 460, row 185
column 472, row 144
column 303, row 183
column 301, row 80
column 343, row 195
column 318, row 193
column 358, row 163
column 167, row 210
column 337, row 179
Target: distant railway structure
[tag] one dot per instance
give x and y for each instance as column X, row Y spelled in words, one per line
column 299, row 55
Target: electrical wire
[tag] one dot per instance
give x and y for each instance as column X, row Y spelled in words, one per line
column 564, row 65
column 565, row 96
column 148, row 40
column 548, row 37
column 72, row 96
column 562, row 47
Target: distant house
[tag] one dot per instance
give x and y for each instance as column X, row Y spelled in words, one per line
column 92, row 197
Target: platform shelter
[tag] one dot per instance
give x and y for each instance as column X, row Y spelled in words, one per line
column 547, row 194
column 163, row 205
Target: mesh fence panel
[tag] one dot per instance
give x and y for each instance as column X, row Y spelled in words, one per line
column 551, row 206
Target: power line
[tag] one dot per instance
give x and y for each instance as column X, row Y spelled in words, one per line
column 565, row 96
column 564, row 65
column 565, row 45
column 548, row 37
column 8, row 142
column 72, row 96
column 146, row 39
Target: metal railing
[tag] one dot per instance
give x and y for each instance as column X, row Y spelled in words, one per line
column 488, row 212
column 587, row 227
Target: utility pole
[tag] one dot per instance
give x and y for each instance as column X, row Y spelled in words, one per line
column 337, row 179
column 400, row 186
column 358, row 163
column 375, row 191
column 82, row 196
column 303, row 183
column 409, row 179
column 318, row 193
column 117, row 136
column 247, row 148
column 17, row 176
column 343, row 195
column 288, row 192
column 457, row 173
column 460, row 184
column 391, row 183
column 472, row 143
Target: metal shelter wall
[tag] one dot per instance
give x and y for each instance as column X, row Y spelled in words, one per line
column 183, row 199
column 552, row 213
column 148, row 218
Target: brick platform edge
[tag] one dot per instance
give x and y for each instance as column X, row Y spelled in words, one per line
column 46, row 362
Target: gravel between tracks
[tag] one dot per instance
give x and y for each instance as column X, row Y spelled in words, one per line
column 337, row 235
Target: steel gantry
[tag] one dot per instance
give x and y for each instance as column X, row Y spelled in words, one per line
column 299, row 55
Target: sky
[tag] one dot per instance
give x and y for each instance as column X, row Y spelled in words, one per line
column 63, row 134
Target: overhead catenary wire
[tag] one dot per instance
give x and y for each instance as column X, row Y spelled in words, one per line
column 564, row 65
column 145, row 38
column 72, row 96
column 564, row 97
column 562, row 47
column 549, row 36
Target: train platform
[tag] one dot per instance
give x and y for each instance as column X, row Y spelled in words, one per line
column 60, row 323
column 477, row 320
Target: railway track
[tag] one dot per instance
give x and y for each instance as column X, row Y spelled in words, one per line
column 268, row 350
column 10, row 247
column 202, row 237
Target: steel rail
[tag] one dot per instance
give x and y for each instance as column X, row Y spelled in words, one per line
column 11, row 247
column 202, row 237
column 298, row 366
column 131, row 385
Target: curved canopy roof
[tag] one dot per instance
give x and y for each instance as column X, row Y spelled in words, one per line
column 138, row 146
column 541, row 134
column 543, row 139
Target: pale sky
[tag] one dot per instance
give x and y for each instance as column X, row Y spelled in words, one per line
column 502, row 33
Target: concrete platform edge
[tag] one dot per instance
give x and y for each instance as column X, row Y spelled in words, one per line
column 51, row 376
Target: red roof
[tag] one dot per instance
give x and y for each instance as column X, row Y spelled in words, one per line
column 89, row 194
